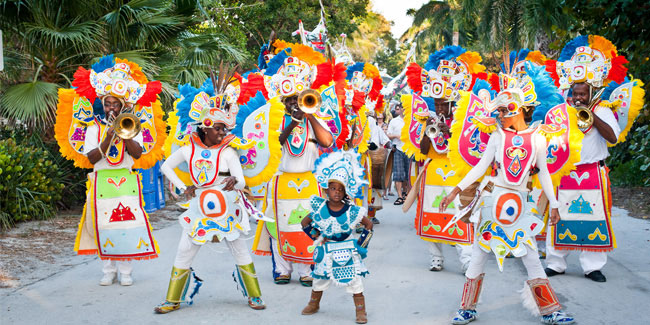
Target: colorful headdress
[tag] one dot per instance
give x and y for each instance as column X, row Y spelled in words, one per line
column 342, row 53
column 516, row 62
column 316, row 39
column 293, row 69
column 447, row 72
column 116, row 77
column 363, row 87
column 343, row 167
column 591, row 59
column 203, row 108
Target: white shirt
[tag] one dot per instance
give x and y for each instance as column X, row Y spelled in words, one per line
column 395, row 128
column 494, row 151
column 92, row 141
column 594, row 146
column 305, row 162
column 228, row 162
column 377, row 135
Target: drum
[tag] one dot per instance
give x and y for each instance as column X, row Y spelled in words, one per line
column 378, row 159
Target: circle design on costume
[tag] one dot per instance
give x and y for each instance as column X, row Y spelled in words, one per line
column 258, row 126
column 213, row 204
column 207, row 122
column 508, row 208
column 437, row 89
column 517, row 140
column 261, row 144
column 206, row 153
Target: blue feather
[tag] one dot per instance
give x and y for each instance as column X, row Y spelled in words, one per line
column 611, row 87
column 570, row 48
column 107, row 61
column 98, row 108
column 208, row 87
column 245, row 111
column 276, row 62
column 446, row 53
column 431, row 103
column 547, row 93
column 261, row 63
column 187, row 92
column 352, row 69
column 482, row 84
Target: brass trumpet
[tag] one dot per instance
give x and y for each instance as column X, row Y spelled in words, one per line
column 309, row 101
column 585, row 118
column 432, row 131
column 127, row 126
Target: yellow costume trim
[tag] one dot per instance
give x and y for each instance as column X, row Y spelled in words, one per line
column 536, row 57
column 149, row 159
column 483, row 126
column 409, row 148
column 172, row 139
column 638, row 99
column 370, row 71
column 472, row 59
column 363, row 120
column 62, row 126
column 238, row 144
column 303, row 52
column 550, row 131
column 276, row 113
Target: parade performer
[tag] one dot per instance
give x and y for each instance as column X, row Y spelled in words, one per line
column 291, row 77
column 514, row 150
column 338, row 256
column 362, row 98
column 428, row 116
column 587, row 65
column 112, row 122
column 218, row 210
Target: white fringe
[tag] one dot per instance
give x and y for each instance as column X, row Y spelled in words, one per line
column 528, row 300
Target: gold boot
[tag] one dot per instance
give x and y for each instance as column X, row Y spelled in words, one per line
column 314, row 303
column 178, row 284
column 360, row 308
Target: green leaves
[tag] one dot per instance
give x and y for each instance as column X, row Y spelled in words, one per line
column 33, row 103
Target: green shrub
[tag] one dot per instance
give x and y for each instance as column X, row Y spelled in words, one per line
column 27, row 188
column 630, row 161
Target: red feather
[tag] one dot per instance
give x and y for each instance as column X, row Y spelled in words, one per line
column 618, row 71
column 414, row 77
column 151, row 93
column 358, row 100
column 551, row 68
column 379, row 108
column 324, row 73
column 339, row 72
column 377, row 84
column 82, row 84
column 250, row 88
column 493, row 79
column 345, row 128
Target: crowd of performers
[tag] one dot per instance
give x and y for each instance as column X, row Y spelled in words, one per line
column 292, row 153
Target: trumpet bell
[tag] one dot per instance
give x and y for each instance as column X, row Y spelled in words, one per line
column 127, row 126
column 309, row 101
column 585, row 118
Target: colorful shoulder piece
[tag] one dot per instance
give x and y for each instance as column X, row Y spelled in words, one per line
column 629, row 98
column 258, row 122
column 416, row 111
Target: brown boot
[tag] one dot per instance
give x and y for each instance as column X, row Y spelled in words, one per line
column 314, row 303
column 360, row 308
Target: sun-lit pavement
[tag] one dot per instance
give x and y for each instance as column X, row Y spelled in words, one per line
column 400, row 288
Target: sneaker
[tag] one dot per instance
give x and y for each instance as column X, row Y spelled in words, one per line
column 436, row 264
column 596, row 276
column 256, row 303
column 464, row 316
column 108, row 279
column 557, row 317
column 166, row 307
column 375, row 221
column 550, row 272
column 126, row 279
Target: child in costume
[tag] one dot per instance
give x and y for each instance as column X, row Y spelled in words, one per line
column 515, row 150
column 591, row 74
column 218, row 210
column 338, row 256
column 114, row 224
column 429, row 110
column 295, row 70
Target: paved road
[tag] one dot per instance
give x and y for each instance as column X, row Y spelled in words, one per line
column 400, row 289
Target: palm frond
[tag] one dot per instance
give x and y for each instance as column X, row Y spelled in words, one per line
column 33, row 103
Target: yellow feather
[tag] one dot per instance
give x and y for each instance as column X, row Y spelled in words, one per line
column 473, row 60
column 638, row 99
column 62, row 127
column 602, row 44
column 409, row 148
column 276, row 113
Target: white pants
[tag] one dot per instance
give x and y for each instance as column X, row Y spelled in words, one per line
column 356, row 285
column 556, row 259
column 187, row 251
column 284, row 267
column 111, row 266
column 530, row 260
column 464, row 252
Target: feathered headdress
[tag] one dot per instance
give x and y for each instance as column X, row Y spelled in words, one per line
column 293, row 69
column 363, row 80
column 343, row 167
column 203, row 108
column 515, row 63
column 448, row 71
column 116, row 77
column 591, row 59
